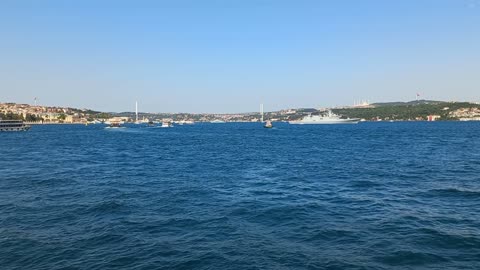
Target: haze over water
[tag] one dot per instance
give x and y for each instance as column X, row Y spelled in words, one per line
column 237, row 196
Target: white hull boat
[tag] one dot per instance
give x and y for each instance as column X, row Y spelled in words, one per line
column 328, row 119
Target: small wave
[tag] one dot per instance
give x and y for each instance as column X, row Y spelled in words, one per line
column 267, row 193
column 7, row 206
column 177, row 223
column 410, row 258
column 276, row 215
column 104, row 239
column 431, row 237
column 336, row 235
column 363, row 184
column 455, row 192
column 105, row 207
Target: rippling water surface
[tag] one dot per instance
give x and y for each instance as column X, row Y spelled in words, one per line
column 237, row 196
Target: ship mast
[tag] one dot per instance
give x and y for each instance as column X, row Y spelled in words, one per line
column 136, row 112
column 261, row 112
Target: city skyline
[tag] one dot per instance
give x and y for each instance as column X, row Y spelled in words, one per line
column 214, row 57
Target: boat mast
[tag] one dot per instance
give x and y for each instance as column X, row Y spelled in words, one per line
column 261, row 112
column 136, row 112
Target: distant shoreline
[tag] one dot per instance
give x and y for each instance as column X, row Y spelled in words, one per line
column 36, row 123
column 207, row 122
column 418, row 110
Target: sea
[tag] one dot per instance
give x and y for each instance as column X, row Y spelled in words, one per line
column 403, row 195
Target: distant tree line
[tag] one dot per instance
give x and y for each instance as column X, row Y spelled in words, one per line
column 33, row 118
column 103, row 116
column 11, row 116
column 406, row 112
column 14, row 116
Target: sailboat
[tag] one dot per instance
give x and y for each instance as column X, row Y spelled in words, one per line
column 268, row 123
column 136, row 113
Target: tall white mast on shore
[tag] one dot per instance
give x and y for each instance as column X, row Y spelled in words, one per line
column 261, row 111
column 136, row 112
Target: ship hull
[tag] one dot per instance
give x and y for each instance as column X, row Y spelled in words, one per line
column 13, row 125
column 336, row 122
column 13, row 129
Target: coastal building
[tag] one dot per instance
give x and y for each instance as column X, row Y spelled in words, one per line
column 465, row 113
column 289, row 111
column 72, row 119
column 433, row 117
column 50, row 117
column 362, row 104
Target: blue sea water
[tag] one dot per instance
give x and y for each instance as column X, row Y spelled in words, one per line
column 238, row 196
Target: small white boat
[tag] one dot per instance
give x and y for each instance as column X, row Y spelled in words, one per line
column 268, row 124
column 217, row 121
column 184, row 122
column 115, row 124
column 166, row 125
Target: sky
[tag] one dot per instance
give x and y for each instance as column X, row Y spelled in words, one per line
column 229, row 56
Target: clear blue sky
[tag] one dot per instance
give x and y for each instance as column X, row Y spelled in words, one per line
column 229, row 56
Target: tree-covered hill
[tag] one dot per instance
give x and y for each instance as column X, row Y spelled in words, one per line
column 407, row 111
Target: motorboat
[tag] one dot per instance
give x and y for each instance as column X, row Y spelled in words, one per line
column 268, row 124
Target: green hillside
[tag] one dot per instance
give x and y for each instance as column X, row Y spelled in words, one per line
column 406, row 111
